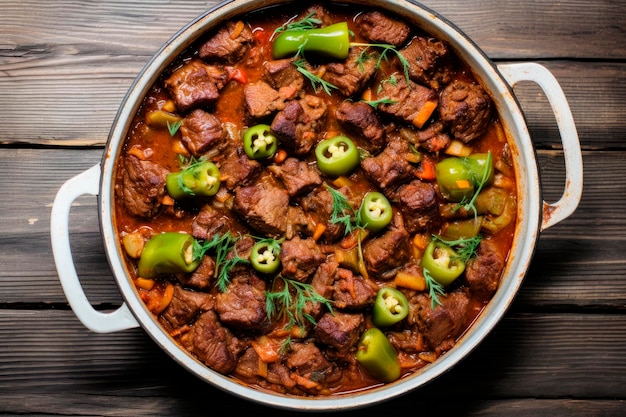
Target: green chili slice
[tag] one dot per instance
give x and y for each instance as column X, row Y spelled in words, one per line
column 332, row 41
column 442, row 262
column 199, row 179
column 375, row 211
column 259, row 142
column 265, row 256
column 390, row 307
column 168, row 253
column 376, row 354
column 337, row 156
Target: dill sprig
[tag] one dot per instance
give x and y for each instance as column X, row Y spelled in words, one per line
column 435, row 289
column 479, row 183
column 342, row 213
column 316, row 81
column 307, row 22
column 386, row 48
column 290, row 301
column 465, row 248
column 221, row 246
column 375, row 103
column 173, row 127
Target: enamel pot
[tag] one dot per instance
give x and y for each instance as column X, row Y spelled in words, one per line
column 534, row 214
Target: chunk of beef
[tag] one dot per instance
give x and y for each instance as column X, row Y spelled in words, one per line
column 300, row 258
column 242, row 305
column 443, row 322
column 196, row 84
column 262, row 99
column 406, row 100
column 387, row 252
column 361, row 119
column 212, row 343
column 282, row 74
column 297, row 176
column 353, row 74
column 229, row 44
column 210, row 222
column 352, row 291
column 264, row 206
column 319, row 205
column 322, row 282
column 419, row 206
column 465, row 107
column 391, row 167
column 143, row 186
column 482, row 274
column 433, row 137
column 299, row 123
column 429, row 59
column 186, row 306
column 236, row 169
column 380, row 28
column 340, row 330
column 201, row 277
column 307, row 360
column 202, row 131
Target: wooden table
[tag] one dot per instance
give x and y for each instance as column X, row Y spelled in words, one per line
column 64, row 69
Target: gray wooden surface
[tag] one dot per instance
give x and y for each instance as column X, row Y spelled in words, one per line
column 64, row 69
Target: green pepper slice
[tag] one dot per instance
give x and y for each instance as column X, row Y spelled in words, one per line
column 375, row 211
column 376, row 354
column 199, row 179
column 265, row 256
column 442, row 262
column 167, row 253
column 458, row 177
column 332, row 41
column 259, row 142
column 390, row 307
column 337, row 156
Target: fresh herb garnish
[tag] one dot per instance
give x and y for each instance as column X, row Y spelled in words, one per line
column 316, row 81
column 342, row 213
column 221, row 246
column 383, row 55
column 289, row 300
column 435, row 289
column 189, row 165
column 465, row 247
column 375, row 103
column 479, row 183
column 173, row 127
column 308, row 22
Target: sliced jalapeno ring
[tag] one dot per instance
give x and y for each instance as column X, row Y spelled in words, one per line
column 259, row 142
column 167, row 253
column 458, row 177
column 337, row 156
column 265, row 256
column 199, row 179
column 442, row 262
column 377, row 355
column 390, row 307
column 375, row 211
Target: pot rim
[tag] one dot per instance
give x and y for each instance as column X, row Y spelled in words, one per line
column 526, row 233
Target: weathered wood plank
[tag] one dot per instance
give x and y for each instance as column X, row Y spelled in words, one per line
column 48, row 353
column 588, row 245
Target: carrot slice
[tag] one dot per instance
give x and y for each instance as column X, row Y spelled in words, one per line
column 424, row 114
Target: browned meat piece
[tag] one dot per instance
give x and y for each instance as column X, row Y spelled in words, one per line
column 319, row 205
column 483, row 272
column 202, row 131
column 466, row 108
column 353, row 74
column 264, row 206
column 297, row 176
column 212, row 343
column 229, row 44
column 407, row 99
column 298, row 124
column 339, row 330
column 429, row 61
column 196, row 84
column 300, row 258
column 433, row 138
column 361, row 119
column 262, row 99
column 185, row 306
column 243, row 304
column 352, row 291
column 202, row 276
column 236, row 168
column 306, row 359
column 282, row 74
column 419, row 206
column 391, row 167
column 211, row 222
column 143, row 186
column 385, row 253
column 322, row 282
column 444, row 322
column 379, row 28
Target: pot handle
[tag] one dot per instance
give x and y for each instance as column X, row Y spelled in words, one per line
column 555, row 212
column 101, row 322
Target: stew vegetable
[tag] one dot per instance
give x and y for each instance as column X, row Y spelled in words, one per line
column 311, row 205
